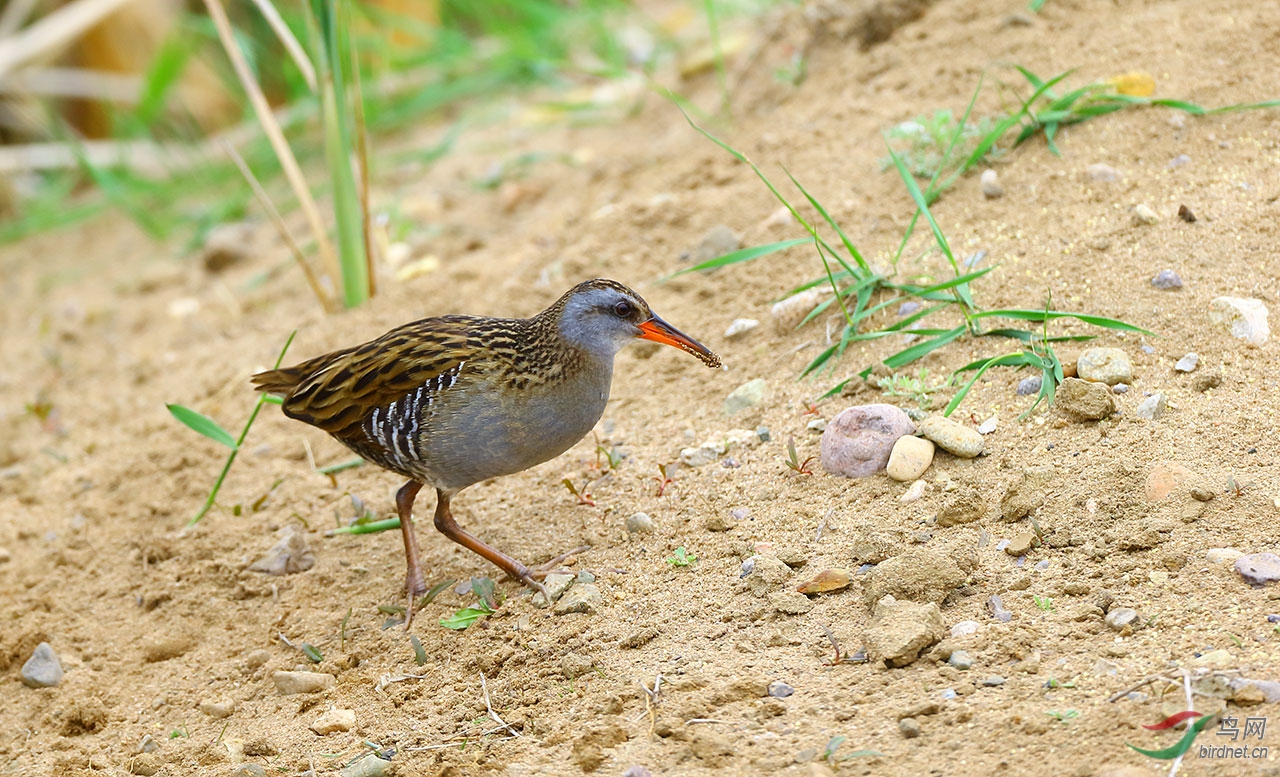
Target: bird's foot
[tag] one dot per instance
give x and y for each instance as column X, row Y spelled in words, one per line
column 552, row 566
column 416, row 586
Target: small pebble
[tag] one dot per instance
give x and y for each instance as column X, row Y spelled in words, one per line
column 1179, row 161
column 1152, row 407
column 817, row 425
column 290, row 683
column 1273, row 619
column 907, row 308
column 965, row 628
column 5, row 555
column 1103, row 173
column 909, row 728
column 914, row 493
column 1205, row 381
column 1166, row 280
column 640, row 523
column 1245, row 316
column 1029, row 386
column 961, row 660
column 740, row 327
column 788, row 313
column 148, row 744
column 369, row 766
column 636, row 770
column 996, row 606
column 780, row 690
column 1258, row 569
column 990, row 183
column 909, row 458
column 1105, row 365
column 556, row 585
column 334, row 721
column 1186, row 215
column 1222, row 555
column 292, row 554
column 1120, row 388
column 1188, row 363
column 994, row 681
column 953, row 437
column 1082, row 400
column 42, row 669
column 1119, row 618
column 217, row 708
column 1144, row 215
column 1021, row 544
column 253, row 770
column 988, row 426
column 747, row 395
column 827, row 580
column 582, row 598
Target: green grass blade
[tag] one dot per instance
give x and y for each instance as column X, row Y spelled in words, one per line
column 981, row 366
column 1041, row 316
column 922, row 349
column 848, row 244
column 742, row 255
column 918, row 197
column 202, row 424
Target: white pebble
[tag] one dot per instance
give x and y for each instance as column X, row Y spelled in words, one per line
column 988, row 426
column 990, row 183
column 1144, row 215
column 1246, row 316
column 739, row 327
column 914, row 493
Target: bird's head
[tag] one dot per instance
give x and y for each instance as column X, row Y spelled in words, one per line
column 603, row 316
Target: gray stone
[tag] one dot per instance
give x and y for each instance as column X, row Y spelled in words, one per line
column 1029, row 386
column 1120, row 618
column 582, row 598
column 640, row 523
column 951, row 436
column 252, row 770
column 1246, row 317
column 965, row 628
column 1258, row 569
column 994, row 681
column 1105, row 365
column 1120, row 388
column 289, row 556
column 556, row 585
column 1166, row 280
column 780, row 690
column 996, row 606
column 1082, row 400
column 42, row 669
column 1152, row 407
column 747, row 395
column 909, row 728
column 369, row 766
column 292, row 683
column 961, row 660
column 1188, row 363
column 858, row 441
column 218, row 708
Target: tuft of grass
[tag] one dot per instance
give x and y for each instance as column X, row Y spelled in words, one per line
column 862, row 294
column 928, row 144
column 207, row 427
column 920, row 388
column 1044, row 603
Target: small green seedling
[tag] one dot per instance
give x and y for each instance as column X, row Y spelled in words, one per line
column 682, row 558
column 209, row 428
column 583, row 496
column 1063, row 716
column 487, row 604
column 1043, row 602
column 311, row 652
column 918, row 387
column 793, row 460
column 419, row 654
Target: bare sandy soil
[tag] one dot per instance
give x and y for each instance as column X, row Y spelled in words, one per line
column 164, row 632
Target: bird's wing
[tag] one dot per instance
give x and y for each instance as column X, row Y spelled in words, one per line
column 337, row 392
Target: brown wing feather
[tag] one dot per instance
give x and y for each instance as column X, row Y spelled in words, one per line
column 337, row 391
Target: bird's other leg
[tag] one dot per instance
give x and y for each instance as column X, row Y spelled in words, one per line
column 447, row 526
column 414, row 581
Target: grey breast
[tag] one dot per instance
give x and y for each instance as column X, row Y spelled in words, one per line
column 482, row 433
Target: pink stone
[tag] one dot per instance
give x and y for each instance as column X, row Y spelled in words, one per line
column 858, row 441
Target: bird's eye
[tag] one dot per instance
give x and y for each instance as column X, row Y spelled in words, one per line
column 623, row 309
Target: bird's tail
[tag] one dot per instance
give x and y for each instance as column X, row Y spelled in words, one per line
column 279, row 382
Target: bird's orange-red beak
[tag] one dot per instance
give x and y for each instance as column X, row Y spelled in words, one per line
column 660, row 331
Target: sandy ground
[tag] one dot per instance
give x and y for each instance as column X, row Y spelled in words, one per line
column 164, row 633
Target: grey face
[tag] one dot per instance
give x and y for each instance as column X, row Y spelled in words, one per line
column 603, row 320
